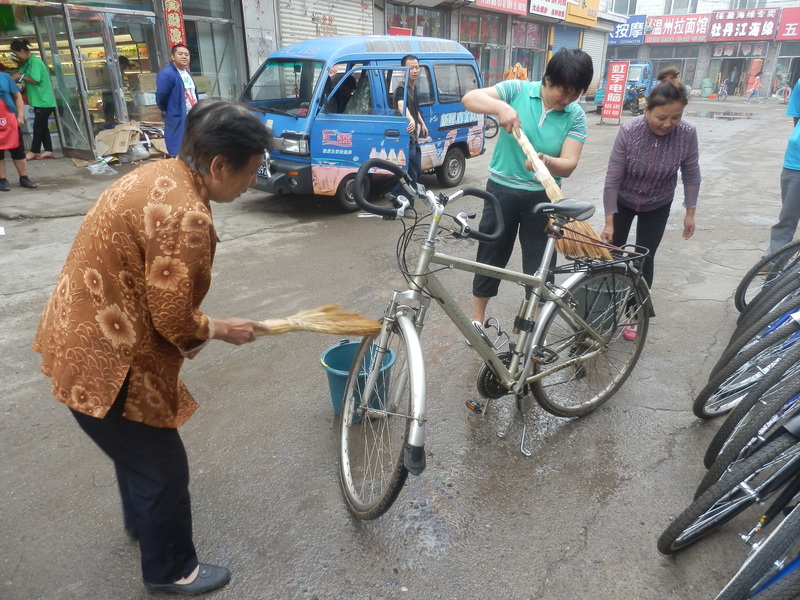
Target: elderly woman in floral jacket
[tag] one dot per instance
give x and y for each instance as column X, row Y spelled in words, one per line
column 126, row 311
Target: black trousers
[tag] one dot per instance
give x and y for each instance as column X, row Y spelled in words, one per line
column 153, row 477
column 518, row 217
column 41, row 133
column 650, row 227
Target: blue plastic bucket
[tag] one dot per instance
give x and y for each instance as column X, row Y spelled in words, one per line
column 336, row 361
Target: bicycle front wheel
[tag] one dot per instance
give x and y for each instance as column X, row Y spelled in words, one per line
column 609, row 300
column 373, row 435
column 764, row 272
column 761, row 563
column 722, row 95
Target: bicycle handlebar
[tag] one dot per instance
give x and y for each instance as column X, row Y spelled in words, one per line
column 391, row 213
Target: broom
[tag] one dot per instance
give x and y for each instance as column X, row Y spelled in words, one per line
column 329, row 318
column 584, row 241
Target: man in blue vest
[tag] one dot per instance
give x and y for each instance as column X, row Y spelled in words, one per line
column 176, row 94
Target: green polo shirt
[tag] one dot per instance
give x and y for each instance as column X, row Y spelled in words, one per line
column 39, row 96
column 546, row 130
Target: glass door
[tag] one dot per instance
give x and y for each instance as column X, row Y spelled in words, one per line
column 102, row 68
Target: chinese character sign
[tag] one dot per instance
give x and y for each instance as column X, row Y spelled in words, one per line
column 555, row 9
column 517, row 7
column 616, row 81
column 743, row 25
column 173, row 11
column 789, row 26
column 630, row 33
column 674, row 29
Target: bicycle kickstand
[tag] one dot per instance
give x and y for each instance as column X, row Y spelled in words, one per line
column 524, row 403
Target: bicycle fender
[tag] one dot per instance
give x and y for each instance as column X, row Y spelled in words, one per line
column 414, row 454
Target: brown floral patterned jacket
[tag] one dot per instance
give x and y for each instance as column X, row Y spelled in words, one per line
column 128, row 298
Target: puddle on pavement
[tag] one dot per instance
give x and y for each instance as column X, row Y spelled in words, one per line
column 723, row 115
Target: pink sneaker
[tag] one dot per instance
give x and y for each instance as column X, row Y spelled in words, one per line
column 629, row 334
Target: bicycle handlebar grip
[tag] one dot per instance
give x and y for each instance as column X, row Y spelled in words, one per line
column 358, row 186
column 498, row 213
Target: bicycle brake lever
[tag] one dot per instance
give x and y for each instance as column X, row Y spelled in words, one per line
column 461, row 218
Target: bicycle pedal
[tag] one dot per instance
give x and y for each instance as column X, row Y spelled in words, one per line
column 544, row 356
column 476, row 407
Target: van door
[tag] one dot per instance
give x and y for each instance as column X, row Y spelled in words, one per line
column 366, row 128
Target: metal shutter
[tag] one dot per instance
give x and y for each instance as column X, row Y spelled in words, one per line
column 301, row 20
column 565, row 37
column 594, row 44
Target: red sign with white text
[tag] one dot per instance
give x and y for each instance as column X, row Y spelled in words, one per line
column 743, row 25
column 789, row 26
column 616, row 81
column 517, row 7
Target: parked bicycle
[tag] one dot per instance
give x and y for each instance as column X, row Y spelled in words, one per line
column 490, row 127
column 722, row 91
column 570, row 358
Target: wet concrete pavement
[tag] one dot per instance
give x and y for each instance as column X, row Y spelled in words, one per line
column 576, row 520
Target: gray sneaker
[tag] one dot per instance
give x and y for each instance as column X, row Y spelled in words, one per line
column 4, row 185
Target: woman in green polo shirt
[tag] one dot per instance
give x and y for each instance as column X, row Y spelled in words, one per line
column 33, row 74
column 547, row 112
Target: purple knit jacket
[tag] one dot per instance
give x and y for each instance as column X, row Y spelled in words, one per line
column 643, row 167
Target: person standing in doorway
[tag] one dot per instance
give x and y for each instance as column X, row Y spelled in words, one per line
column 33, row 74
column 176, row 94
column 755, row 90
column 12, row 109
column 416, row 126
column 783, row 231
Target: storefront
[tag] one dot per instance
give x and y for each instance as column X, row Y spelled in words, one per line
column 104, row 59
column 787, row 64
column 407, row 19
column 529, row 46
column 676, row 41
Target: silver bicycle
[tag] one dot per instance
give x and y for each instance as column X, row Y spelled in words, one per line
column 570, row 359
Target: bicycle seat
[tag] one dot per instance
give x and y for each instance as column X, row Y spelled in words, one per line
column 580, row 210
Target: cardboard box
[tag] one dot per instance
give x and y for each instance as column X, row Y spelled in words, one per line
column 97, row 78
column 145, row 113
column 117, row 140
column 203, row 84
column 144, row 98
column 142, row 82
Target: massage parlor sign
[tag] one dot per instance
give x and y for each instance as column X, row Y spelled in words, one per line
column 616, row 80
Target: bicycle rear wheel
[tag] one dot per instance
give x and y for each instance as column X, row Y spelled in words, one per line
column 373, row 435
column 608, row 300
column 764, row 272
column 785, row 588
column 490, row 127
column 744, row 484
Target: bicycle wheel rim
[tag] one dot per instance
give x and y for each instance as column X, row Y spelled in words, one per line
column 372, row 437
column 610, row 300
column 755, row 280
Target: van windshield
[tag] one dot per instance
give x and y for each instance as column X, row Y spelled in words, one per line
column 284, row 86
column 635, row 72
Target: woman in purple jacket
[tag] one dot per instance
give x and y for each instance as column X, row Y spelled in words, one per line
column 643, row 172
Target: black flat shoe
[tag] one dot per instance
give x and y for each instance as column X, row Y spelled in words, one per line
column 209, row 578
column 4, row 185
column 27, row 183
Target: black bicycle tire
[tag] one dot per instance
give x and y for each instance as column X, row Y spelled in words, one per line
column 546, row 389
column 774, row 378
column 490, row 130
column 741, row 289
column 734, row 449
column 780, row 300
column 758, row 563
column 785, row 588
column 719, row 378
column 783, row 285
column 360, row 501
column 728, row 488
column 764, row 324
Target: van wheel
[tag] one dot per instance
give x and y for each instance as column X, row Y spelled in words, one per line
column 452, row 170
column 344, row 194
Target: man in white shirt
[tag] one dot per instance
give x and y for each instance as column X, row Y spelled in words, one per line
column 176, row 94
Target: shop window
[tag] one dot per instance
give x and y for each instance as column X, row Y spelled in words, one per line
column 419, row 21
column 680, row 7
column 485, row 37
column 453, row 81
column 213, row 58
column 220, row 9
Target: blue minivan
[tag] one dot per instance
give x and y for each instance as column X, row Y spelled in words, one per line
column 330, row 105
